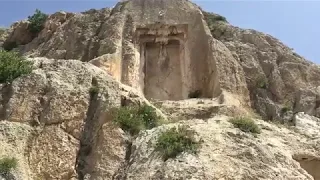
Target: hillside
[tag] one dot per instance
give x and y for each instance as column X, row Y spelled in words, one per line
column 107, row 87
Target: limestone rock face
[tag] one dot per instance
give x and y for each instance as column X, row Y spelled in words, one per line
column 19, row 35
column 196, row 69
column 276, row 76
column 228, row 153
column 149, row 45
column 65, row 129
column 14, row 142
column 168, row 50
column 69, row 36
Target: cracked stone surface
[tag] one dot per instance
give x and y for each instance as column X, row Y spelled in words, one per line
column 58, row 128
column 212, row 56
column 227, row 153
column 70, row 129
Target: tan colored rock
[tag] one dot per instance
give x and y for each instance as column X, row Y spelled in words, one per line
column 19, row 34
column 72, row 130
column 110, row 63
column 121, row 43
column 226, row 104
column 69, row 36
column 290, row 79
column 227, row 153
column 52, row 153
column 151, row 46
column 14, row 139
column 59, row 128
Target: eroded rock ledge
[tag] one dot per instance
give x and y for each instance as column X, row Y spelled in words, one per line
column 59, row 130
column 169, row 53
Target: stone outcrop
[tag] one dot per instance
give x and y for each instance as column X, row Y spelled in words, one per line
column 276, row 76
column 18, row 35
column 127, row 40
column 228, row 153
column 197, row 69
column 63, row 128
column 3, row 36
column 152, row 46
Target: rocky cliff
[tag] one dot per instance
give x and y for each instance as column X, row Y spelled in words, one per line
column 193, row 67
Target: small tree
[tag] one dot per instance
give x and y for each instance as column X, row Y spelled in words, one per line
column 37, row 21
column 12, row 65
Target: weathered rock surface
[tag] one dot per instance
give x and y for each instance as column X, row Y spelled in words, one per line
column 18, row 35
column 69, row 128
column 225, row 104
column 164, row 51
column 3, row 35
column 228, row 153
column 289, row 79
column 122, row 40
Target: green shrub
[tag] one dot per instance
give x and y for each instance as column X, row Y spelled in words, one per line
column 245, row 124
column 149, row 116
column 12, row 65
column 37, row 21
column 7, row 164
column 212, row 18
column 134, row 119
column 285, row 109
column 220, row 18
column 175, row 141
column 8, row 46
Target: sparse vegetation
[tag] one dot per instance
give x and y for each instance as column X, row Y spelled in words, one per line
column 149, row 116
column 37, row 21
column 286, row 107
column 7, row 164
column 2, row 30
column 133, row 119
column 12, row 65
column 245, row 124
column 262, row 83
column 195, row 94
column 297, row 55
column 212, row 18
column 175, row 141
column 220, row 18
